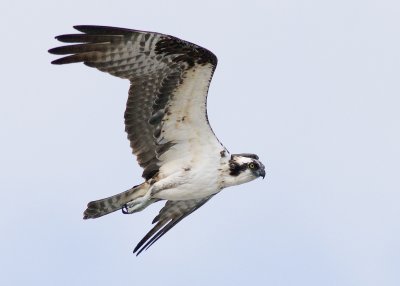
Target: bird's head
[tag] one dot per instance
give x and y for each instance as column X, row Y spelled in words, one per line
column 245, row 167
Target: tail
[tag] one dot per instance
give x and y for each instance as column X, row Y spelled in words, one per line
column 111, row 204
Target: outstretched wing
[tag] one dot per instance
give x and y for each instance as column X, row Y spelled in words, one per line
column 172, row 213
column 166, row 116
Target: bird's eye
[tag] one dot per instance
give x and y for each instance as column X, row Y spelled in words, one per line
column 252, row 165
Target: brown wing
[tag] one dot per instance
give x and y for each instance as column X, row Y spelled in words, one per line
column 154, row 63
column 172, row 213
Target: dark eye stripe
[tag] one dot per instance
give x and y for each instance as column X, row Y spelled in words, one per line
column 236, row 169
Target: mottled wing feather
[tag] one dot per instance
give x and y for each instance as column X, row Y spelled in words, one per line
column 172, row 213
column 154, row 63
column 143, row 116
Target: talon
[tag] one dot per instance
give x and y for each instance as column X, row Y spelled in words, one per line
column 129, row 208
column 125, row 209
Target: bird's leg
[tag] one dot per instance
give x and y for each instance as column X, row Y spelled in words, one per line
column 171, row 182
column 141, row 203
column 138, row 204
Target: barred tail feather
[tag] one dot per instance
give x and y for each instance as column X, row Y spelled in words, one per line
column 111, row 204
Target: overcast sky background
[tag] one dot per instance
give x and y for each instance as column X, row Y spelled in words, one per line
column 312, row 87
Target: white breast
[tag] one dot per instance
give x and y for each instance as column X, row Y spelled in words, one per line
column 193, row 162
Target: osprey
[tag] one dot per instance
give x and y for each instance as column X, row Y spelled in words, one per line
column 166, row 121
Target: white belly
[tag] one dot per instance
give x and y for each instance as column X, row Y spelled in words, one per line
column 192, row 184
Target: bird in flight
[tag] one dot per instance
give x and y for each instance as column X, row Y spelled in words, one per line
column 166, row 121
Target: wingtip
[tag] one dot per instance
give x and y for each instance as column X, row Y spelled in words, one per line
column 60, row 38
column 135, row 251
column 53, row 51
column 139, row 248
column 57, row 62
column 85, row 28
column 80, row 27
column 101, row 30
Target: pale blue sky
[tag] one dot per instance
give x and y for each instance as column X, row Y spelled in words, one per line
column 312, row 87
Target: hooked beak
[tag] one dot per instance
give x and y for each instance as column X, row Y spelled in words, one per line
column 261, row 173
